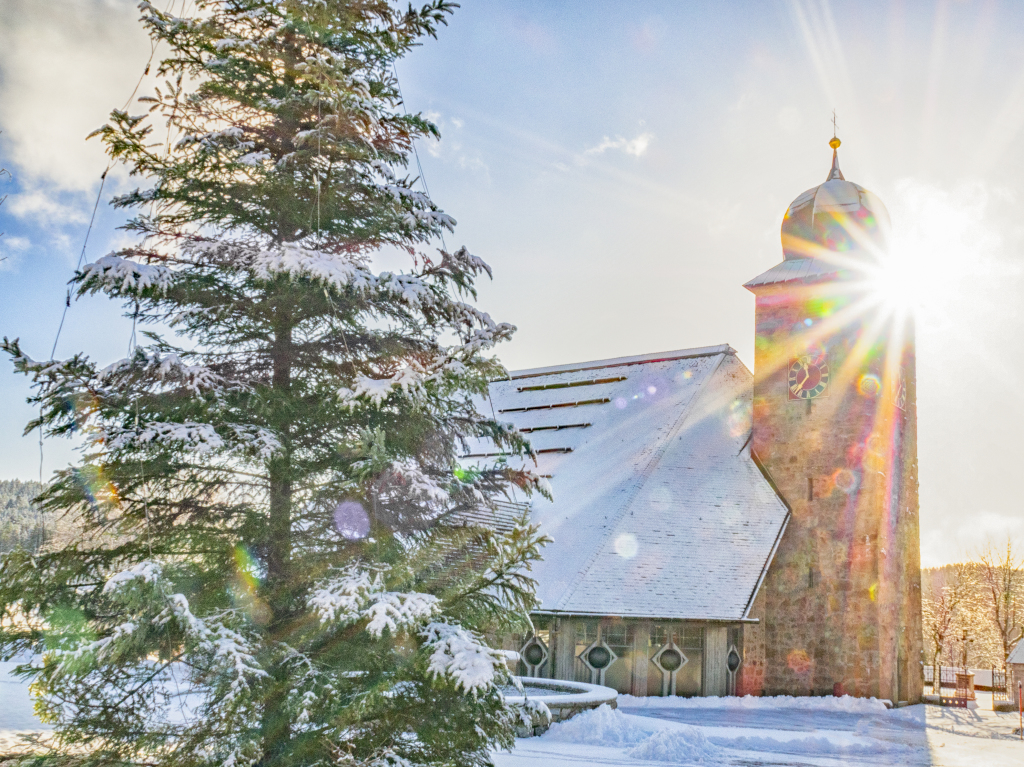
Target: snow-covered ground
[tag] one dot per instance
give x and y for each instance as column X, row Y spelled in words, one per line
column 818, row 732
column 821, row 732
column 16, row 717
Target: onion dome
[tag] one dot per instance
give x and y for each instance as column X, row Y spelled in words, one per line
column 837, row 216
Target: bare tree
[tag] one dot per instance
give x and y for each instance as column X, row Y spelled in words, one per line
column 1003, row 579
column 942, row 614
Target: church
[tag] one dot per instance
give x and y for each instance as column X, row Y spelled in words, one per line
column 722, row 532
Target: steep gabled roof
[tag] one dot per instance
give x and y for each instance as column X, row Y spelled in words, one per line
column 659, row 510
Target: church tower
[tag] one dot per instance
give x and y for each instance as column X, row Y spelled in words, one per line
column 835, row 430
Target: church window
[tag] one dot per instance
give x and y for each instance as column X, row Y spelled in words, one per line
column 617, row 635
column 686, row 636
column 690, row 638
column 586, row 632
column 659, row 635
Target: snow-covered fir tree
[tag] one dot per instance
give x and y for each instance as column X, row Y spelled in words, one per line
column 272, row 568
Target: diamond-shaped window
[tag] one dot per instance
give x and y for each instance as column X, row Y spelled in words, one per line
column 669, row 659
column 598, row 657
column 534, row 654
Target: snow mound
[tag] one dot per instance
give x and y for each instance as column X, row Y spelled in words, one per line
column 601, row 726
column 812, row 746
column 847, row 703
column 682, row 745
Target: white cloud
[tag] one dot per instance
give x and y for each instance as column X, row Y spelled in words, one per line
column 15, row 243
column 64, row 64
column 11, row 247
column 44, row 209
column 634, row 146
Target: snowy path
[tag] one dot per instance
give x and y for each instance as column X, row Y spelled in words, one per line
column 757, row 733
column 917, row 736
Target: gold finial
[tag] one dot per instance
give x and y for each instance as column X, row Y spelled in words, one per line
column 834, row 142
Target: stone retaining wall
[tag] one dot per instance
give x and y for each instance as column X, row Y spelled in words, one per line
column 570, row 699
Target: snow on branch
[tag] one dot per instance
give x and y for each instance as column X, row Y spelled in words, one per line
column 61, row 371
column 169, row 368
column 359, row 595
column 460, row 655
column 200, row 437
column 259, row 440
column 148, row 572
column 408, row 474
column 408, row 288
column 197, row 437
column 227, row 137
column 226, row 651
column 295, row 261
column 121, row 275
column 464, row 261
column 383, row 169
column 376, row 390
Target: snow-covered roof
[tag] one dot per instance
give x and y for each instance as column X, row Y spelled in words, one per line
column 659, row 510
column 795, row 269
column 1017, row 653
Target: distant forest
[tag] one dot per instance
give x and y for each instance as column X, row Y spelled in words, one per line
column 21, row 523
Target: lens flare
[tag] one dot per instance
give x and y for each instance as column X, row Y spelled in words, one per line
column 246, row 568
column 626, row 545
column 99, row 492
column 351, row 520
column 246, row 587
column 869, row 385
column 741, row 414
column 799, row 661
column 845, row 480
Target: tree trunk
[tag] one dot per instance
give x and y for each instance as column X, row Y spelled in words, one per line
column 279, row 542
column 276, row 590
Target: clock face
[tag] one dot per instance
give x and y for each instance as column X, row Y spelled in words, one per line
column 808, row 377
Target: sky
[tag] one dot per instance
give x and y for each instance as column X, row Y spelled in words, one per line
column 624, row 167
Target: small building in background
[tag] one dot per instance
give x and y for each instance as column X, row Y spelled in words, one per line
column 1015, row 675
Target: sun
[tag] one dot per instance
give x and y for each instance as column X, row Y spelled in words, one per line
column 937, row 238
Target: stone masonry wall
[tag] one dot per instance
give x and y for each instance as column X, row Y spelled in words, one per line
column 750, row 678
column 842, row 597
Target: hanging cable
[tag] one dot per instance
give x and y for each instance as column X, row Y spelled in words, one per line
column 416, row 153
column 81, row 256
